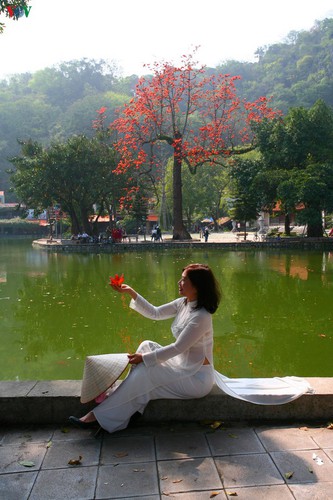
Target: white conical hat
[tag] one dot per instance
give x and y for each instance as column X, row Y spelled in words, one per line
column 100, row 372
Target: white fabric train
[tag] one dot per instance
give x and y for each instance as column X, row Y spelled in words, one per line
column 263, row 391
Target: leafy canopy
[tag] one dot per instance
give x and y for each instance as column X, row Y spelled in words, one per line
column 184, row 106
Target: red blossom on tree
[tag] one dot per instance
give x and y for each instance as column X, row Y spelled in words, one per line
column 98, row 124
column 199, row 116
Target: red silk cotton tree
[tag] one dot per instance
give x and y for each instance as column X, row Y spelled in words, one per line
column 198, row 116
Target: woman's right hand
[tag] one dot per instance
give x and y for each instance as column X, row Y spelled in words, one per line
column 125, row 289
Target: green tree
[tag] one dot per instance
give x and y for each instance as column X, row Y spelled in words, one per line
column 290, row 149
column 135, row 207
column 76, row 175
column 28, row 179
column 296, row 72
column 22, row 118
column 203, row 193
column 314, row 187
column 70, row 81
column 81, row 113
column 246, row 205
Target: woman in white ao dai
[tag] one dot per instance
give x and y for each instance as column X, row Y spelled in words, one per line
column 180, row 370
column 183, row 369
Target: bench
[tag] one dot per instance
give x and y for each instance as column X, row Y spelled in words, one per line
column 241, row 235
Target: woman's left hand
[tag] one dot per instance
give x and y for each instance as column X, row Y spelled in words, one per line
column 135, row 359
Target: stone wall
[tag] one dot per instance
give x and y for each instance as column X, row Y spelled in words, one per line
column 49, row 402
column 283, row 243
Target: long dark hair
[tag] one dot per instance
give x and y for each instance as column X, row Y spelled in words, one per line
column 208, row 288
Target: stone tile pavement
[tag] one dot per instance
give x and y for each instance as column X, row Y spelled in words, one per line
column 182, row 461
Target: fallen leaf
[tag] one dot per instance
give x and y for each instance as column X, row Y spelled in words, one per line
column 232, row 494
column 216, row 424
column 288, row 475
column 214, row 494
column 330, row 426
column 49, row 444
column 213, row 424
column 27, row 463
column 75, row 461
column 303, row 429
column 121, row 454
column 233, row 436
column 177, row 481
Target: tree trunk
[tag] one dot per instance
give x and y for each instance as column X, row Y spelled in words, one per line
column 163, row 201
column 75, row 226
column 287, row 224
column 315, row 225
column 315, row 231
column 85, row 220
column 179, row 230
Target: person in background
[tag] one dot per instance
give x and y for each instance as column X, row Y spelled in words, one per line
column 206, row 233
column 158, row 234
column 154, row 234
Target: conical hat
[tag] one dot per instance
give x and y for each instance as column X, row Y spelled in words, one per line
column 100, row 372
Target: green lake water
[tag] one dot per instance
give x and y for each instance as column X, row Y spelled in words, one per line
column 55, row 309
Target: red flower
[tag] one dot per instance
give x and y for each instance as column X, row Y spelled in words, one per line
column 117, row 280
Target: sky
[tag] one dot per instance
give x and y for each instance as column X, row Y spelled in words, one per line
column 132, row 33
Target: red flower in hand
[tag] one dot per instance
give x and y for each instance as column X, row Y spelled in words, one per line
column 117, row 280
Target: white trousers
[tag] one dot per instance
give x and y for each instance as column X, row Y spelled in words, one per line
column 114, row 413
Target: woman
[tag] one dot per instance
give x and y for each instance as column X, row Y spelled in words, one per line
column 181, row 370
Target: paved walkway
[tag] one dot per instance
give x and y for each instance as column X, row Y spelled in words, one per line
column 227, row 237
column 179, row 461
column 221, row 237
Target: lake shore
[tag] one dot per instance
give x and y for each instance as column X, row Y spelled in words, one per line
column 224, row 240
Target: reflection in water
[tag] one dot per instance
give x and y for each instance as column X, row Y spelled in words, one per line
column 282, row 324
column 275, row 318
column 302, row 265
column 295, row 266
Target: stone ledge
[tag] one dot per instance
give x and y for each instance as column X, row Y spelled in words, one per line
column 142, row 246
column 51, row 402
